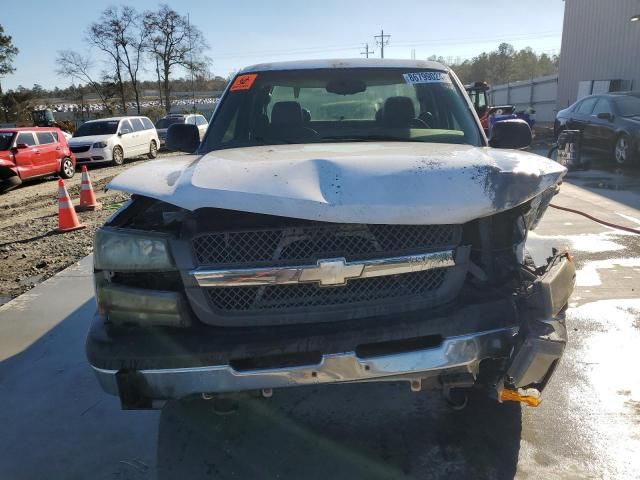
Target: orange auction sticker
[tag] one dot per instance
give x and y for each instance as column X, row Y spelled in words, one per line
column 243, row 82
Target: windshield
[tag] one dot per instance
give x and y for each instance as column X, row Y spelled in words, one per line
column 628, row 105
column 332, row 105
column 6, row 138
column 478, row 97
column 109, row 127
column 168, row 121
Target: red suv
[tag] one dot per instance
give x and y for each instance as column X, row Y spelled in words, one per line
column 27, row 153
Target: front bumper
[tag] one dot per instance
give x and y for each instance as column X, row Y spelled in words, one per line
column 94, row 155
column 526, row 348
column 455, row 355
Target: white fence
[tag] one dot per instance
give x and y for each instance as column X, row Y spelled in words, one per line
column 540, row 93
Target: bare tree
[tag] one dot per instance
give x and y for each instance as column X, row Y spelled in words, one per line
column 175, row 42
column 73, row 64
column 124, row 33
column 105, row 35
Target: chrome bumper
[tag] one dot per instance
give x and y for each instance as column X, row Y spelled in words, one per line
column 456, row 354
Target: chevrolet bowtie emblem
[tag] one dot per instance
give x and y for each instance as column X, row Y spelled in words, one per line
column 329, row 272
column 333, row 271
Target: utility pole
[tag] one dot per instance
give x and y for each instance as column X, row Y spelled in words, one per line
column 384, row 40
column 367, row 51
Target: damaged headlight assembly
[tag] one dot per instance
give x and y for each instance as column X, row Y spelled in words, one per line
column 121, row 251
column 118, row 251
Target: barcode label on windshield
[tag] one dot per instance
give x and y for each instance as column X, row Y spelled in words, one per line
column 426, row 77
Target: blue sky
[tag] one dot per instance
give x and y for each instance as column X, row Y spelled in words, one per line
column 246, row 32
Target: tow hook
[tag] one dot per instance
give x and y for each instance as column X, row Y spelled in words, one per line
column 529, row 396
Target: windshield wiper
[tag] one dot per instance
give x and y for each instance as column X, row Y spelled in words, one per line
column 369, row 138
column 271, row 141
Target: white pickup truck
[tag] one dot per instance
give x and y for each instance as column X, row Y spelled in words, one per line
column 341, row 221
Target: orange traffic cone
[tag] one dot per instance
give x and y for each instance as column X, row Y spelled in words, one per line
column 87, row 197
column 67, row 218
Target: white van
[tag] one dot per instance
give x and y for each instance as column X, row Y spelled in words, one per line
column 114, row 139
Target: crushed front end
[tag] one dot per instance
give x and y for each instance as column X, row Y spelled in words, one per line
column 229, row 301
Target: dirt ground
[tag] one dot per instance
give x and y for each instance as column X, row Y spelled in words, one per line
column 30, row 250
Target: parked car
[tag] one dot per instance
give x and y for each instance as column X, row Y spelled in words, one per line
column 294, row 248
column 114, row 140
column 176, row 118
column 609, row 123
column 27, row 153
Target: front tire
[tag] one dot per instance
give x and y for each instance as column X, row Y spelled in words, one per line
column 67, row 168
column 153, row 150
column 9, row 183
column 622, row 152
column 117, row 156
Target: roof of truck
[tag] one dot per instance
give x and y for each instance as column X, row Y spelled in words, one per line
column 345, row 63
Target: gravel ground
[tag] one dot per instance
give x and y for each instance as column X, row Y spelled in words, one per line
column 30, row 250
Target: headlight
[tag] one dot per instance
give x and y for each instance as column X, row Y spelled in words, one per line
column 100, row 145
column 124, row 252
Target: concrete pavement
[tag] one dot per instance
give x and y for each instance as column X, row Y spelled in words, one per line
column 57, row 423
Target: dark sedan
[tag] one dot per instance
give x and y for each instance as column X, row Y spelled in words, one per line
column 609, row 123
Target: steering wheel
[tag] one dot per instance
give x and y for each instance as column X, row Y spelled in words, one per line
column 419, row 123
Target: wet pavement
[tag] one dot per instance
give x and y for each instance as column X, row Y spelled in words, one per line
column 56, row 423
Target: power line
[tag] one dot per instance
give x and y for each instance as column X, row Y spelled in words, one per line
column 407, row 43
column 384, row 40
column 367, row 51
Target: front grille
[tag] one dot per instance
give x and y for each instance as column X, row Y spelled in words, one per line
column 305, row 244
column 79, row 148
column 366, row 290
column 310, row 243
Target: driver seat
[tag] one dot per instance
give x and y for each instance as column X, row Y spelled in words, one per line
column 398, row 112
column 287, row 122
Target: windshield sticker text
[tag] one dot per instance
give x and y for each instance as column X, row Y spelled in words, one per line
column 426, row 77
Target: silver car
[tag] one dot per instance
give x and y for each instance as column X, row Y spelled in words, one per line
column 164, row 123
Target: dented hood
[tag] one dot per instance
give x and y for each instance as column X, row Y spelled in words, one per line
column 385, row 183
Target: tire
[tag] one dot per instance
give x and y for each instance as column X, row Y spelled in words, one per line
column 67, row 168
column 153, row 150
column 9, row 183
column 622, row 151
column 117, row 157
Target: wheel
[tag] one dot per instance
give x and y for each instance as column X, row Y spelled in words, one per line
column 9, row 183
column 622, row 151
column 117, row 155
column 67, row 168
column 153, row 150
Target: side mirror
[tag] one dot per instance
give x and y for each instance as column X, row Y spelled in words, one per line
column 21, row 146
column 183, row 137
column 605, row 116
column 514, row 134
column 124, row 131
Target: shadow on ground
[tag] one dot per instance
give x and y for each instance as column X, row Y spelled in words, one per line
column 352, row 431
